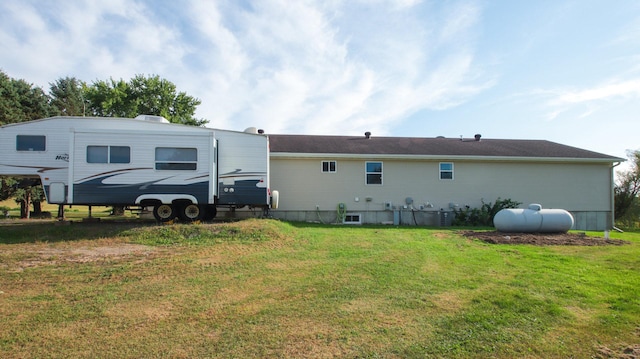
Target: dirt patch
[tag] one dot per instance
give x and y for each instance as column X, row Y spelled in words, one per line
column 542, row 239
column 35, row 256
column 623, row 352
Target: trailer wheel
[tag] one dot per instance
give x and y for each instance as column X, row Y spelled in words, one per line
column 191, row 212
column 210, row 212
column 164, row 212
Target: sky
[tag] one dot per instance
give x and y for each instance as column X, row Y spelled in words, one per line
column 566, row 71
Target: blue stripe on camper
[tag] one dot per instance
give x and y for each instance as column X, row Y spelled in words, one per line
column 97, row 193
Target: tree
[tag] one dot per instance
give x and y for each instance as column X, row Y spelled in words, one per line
column 67, row 97
column 142, row 96
column 19, row 102
column 627, row 189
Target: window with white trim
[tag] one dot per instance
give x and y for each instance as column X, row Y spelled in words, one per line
column 446, row 170
column 373, row 173
column 329, row 166
column 175, row 158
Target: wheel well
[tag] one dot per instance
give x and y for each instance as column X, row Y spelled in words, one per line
column 150, row 203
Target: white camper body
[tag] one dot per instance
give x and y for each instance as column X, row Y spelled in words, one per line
column 176, row 169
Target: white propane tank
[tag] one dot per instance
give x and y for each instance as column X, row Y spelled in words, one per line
column 533, row 219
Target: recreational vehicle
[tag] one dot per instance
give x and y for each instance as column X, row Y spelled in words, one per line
column 178, row 170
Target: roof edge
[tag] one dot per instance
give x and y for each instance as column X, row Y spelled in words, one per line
column 293, row 155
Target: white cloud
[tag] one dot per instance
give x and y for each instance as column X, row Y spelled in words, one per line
column 589, row 100
column 305, row 67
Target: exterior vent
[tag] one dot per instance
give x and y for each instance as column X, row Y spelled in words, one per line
column 367, row 134
column 477, row 136
column 152, row 118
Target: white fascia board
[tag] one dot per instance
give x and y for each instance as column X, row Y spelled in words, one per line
column 290, row 155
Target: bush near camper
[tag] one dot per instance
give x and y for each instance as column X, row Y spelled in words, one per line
column 483, row 216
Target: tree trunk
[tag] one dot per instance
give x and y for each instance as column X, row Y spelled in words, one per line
column 37, row 208
column 24, row 210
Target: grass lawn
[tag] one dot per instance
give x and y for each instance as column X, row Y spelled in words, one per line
column 264, row 288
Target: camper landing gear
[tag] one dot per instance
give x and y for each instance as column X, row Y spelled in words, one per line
column 164, row 212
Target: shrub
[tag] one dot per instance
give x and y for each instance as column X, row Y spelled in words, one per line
column 482, row 216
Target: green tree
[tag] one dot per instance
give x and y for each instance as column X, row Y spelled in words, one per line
column 627, row 189
column 67, row 97
column 142, row 96
column 21, row 101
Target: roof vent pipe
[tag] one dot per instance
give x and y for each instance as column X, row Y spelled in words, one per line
column 367, row 134
column 477, row 136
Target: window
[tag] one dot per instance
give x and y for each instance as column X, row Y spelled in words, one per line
column 119, row 154
column 446, row 170
column 30, row 143
column 108, row 154
column 329, row 166
column 172, row 158
column 374, row 172
column 352, row 218
column 97, row 154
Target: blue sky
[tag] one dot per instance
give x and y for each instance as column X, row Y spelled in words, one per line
column 562, row 70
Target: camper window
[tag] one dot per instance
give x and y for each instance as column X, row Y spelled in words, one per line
column 108, row 154
column 173, row 158
column 30, row 143
column 119, row 154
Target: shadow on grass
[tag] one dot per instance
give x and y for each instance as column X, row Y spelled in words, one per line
column 15, row 231
column 32, row 231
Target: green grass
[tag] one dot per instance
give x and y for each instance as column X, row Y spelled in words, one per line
column 272, row 289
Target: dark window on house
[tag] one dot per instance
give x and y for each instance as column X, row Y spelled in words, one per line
column 329, row 166
column 446, row 170
column 108, row 154
column 173, row 158
column 373, row 172
column 31, row 143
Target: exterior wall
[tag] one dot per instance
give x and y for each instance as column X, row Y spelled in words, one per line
column 581, row 188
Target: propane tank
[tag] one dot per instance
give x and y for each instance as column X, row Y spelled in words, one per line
column 533, row 219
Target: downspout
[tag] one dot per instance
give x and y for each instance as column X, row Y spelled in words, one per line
column 613, row 203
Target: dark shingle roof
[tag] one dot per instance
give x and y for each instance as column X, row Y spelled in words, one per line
column 422, row 146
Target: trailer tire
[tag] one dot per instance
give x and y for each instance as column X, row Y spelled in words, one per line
column 210, row 212
column 164, row 212
column 191, row 212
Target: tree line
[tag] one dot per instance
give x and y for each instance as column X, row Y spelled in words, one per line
column 22, row 101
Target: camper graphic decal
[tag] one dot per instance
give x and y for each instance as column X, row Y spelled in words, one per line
column 62, row 157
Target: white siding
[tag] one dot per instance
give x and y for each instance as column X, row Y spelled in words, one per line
column 577, row 187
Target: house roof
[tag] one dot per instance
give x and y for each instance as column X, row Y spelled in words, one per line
column 429, row 147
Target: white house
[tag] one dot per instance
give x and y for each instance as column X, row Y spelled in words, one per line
column 401, row 180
